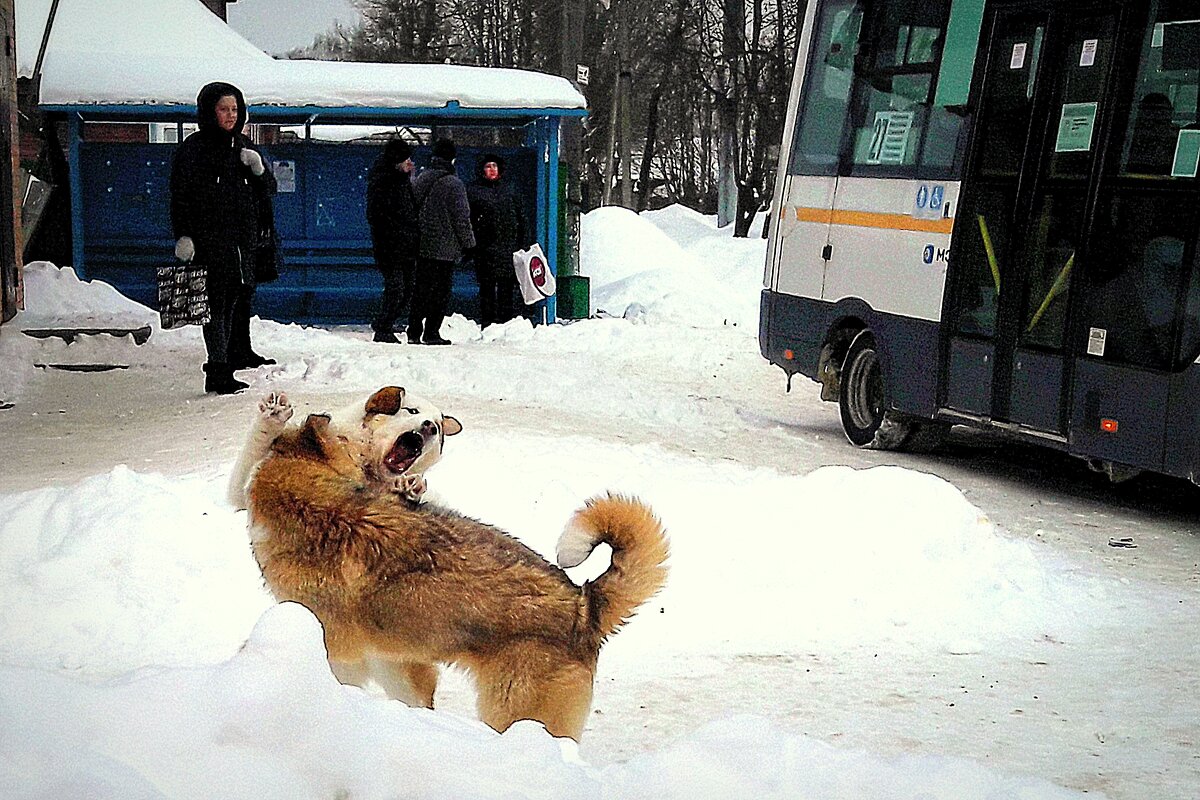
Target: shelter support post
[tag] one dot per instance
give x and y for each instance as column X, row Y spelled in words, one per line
column 75, row 163
column 539, row 138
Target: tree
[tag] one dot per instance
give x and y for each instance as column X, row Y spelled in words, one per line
column 702, row 77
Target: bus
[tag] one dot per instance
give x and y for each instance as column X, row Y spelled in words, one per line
column 986, row 214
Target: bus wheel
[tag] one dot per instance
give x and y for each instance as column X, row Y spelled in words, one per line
column 865, row 417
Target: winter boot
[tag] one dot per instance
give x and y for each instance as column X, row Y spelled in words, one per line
column 249, row 360
column 385, row 336
column 218, row 379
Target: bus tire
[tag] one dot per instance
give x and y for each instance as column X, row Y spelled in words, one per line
column 863, row 400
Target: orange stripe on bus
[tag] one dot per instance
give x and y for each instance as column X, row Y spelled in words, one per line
column 872, row 219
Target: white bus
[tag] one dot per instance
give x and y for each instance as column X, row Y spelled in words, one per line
column 988, row 213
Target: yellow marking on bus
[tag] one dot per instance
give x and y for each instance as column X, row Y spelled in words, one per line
column 873, row 219
column 991, row 252
column 1056, row 288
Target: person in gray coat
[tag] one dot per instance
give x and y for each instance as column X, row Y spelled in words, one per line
column 445, row 225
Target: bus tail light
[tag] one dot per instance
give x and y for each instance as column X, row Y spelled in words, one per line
column 1108, row 425
column 789, row 355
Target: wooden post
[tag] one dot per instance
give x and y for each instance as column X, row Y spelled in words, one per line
column 11, row 295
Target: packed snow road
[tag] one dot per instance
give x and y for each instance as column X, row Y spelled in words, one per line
column 965, row 602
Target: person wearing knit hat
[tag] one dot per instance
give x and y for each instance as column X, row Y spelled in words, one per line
column 445, row 226
column 498, row 220
column 392, row 217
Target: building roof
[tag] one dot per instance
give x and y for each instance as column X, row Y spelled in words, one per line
column 133, row 54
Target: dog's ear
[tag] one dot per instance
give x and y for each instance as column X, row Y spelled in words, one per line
column 387, row 400
column 317, row 440
column 451, row 426
column 314, row 434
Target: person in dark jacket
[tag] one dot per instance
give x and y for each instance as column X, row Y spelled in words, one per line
column 392, row 216
column 215, row 176
column 445, row 225
column 500, row 230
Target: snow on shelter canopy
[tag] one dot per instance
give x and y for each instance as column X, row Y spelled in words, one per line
column 139, row 58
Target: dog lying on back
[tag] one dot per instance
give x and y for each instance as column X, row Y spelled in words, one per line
column 395, row 436
column 401, row 587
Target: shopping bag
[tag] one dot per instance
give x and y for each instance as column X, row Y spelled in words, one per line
column 533, row 274
column 183, row 294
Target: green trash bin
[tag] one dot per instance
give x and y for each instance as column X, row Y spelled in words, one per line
column 573, row 296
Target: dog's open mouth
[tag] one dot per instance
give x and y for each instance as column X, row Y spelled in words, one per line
column 406, row 450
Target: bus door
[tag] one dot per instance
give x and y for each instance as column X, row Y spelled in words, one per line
column 1043, row 96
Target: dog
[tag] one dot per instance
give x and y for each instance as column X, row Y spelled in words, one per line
column 402, row 587
column 395, row 436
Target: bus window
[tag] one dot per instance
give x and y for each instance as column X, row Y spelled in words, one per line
column 1136, row 284
column 1163, row 119
column 818, row 135
column 893, row 90
column 1143, row 290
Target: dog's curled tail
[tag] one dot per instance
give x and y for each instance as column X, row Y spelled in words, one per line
column 639, row 555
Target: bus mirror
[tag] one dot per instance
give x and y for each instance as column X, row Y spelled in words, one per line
column 1181, row 45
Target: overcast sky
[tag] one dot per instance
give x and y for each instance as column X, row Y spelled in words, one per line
column 279, row 25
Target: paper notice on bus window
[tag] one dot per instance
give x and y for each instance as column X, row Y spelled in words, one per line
column 1087, row 56
column 1156, row 38
column 1095, row 345
column 1187, row 155
column 1018, row 55
column 889, row 137
column 1075, row 128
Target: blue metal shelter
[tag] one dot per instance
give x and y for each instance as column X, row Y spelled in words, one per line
column 120, row 197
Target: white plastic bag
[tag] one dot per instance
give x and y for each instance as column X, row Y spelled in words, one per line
column 533, row 274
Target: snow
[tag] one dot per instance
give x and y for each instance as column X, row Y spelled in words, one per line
column 832, row 627
column 160, row 52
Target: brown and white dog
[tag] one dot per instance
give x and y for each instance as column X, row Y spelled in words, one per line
column 402, row 587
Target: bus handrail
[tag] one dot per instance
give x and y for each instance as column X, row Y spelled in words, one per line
column 991, row 252
column 1056, row 288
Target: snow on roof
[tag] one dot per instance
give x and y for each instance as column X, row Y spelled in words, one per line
column 160, row 52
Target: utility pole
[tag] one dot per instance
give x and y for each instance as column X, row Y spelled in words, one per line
column 626, row 88
column 571, row 135
column 728, row 109
column 619, row 137
column 573, row 301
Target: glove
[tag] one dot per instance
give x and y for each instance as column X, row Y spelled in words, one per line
column 252, row 160
column 185, row 249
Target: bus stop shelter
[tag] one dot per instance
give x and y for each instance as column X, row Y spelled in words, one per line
column 123, row 77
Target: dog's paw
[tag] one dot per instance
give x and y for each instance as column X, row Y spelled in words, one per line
column 410, row 487
column 275, row 409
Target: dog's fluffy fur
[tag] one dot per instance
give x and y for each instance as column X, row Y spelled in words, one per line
column 401, row 587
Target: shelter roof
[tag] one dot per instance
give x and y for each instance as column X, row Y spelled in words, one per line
column 134, row 55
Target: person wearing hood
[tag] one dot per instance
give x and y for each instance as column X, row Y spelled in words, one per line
column 445, row 229
column 218, row 182
column 500, row 230
column 392, row 217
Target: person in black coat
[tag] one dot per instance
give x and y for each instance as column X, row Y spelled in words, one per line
column 217, row 178
column 445, row 225
column 500, row 230
column 392, row 216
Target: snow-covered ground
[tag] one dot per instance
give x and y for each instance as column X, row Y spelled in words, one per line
column 837, row 624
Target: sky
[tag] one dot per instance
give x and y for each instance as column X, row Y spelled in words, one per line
column 280, row 25
column 831, row 628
